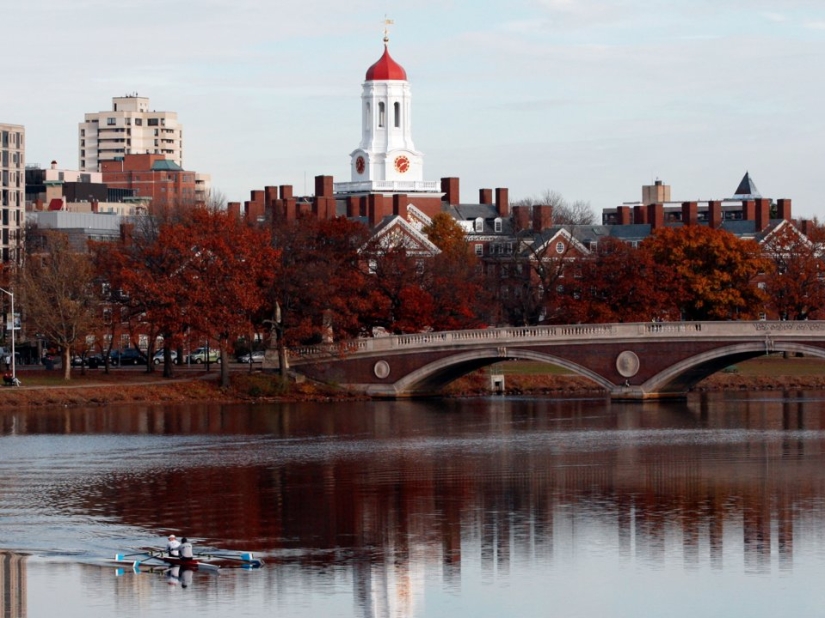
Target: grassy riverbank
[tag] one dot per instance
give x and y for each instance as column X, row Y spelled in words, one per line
column 47, row 388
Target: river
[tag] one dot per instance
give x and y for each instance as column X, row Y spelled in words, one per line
column 528, row 507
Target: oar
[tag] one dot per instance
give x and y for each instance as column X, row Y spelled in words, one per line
column 246, row 558
column 124, row 557
column 232, row 555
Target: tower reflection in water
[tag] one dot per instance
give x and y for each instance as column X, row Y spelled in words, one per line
column 13, row 591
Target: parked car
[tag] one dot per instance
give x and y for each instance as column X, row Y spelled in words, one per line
column 253, row 357
column 129, row 356
column 199, row 356
column 92, row 361
column 157, row 359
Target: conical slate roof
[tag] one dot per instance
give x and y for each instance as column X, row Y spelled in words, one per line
column 746, row 189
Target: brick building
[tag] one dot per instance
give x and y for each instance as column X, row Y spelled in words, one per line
column 158, row 179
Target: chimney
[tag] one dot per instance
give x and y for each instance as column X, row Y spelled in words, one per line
column 323, row 186
column 748, row 210
column 640, row 214
column 624, row 215
column 715, row 214
column 399, row 205
column 503, row 202
column 286, row 191
column 234, row 209
column 54, row 165
column 449, row 186
column 353, row 206
column 485, row 196
column 542, row 217
column 656, row 216
column 763, row 213
column 783, row 209
column 521, row 218
column 690, row 213
column 375, row 208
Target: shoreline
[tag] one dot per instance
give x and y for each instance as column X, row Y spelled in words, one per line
column 115, row 388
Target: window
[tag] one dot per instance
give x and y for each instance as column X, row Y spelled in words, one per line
column 397, row 110
column 479, row 225
column 761, row 285
column 110, row 122
column 138, row 122
column 153, row 122
column 381, row 113
column 497, row 226
column 559, row 247
column 479, row 249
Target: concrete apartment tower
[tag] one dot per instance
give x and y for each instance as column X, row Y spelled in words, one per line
column 12, row 190
column 129, row 128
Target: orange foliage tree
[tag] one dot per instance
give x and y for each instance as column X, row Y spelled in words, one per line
column 711, row 272
column 617, row 283
column 203, row 272
column 795, row 286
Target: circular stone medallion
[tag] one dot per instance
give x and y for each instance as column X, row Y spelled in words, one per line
column 381, row 369
column 627, row 363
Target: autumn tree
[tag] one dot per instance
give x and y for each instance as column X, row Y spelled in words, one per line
column 58, row 296
column 711, row 272
column 225, row 267
column 456, row 284
column 318, row 288
column 795, row 286
column 143, row 273
column 617, row 283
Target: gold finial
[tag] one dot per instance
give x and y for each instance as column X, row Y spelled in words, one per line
column 387, row 23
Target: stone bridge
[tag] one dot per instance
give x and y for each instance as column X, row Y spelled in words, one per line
column 630, row 361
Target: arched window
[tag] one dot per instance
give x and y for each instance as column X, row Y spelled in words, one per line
column 479, row 225
column 397, row 109
column 381, row 112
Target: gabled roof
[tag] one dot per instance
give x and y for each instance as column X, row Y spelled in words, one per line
column 747, row 189
column 394, row 231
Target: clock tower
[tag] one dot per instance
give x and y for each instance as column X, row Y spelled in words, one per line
column 386, row 152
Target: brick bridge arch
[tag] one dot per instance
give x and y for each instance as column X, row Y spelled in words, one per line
column 629, row 361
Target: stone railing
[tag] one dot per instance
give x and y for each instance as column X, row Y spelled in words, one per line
column 594, row 333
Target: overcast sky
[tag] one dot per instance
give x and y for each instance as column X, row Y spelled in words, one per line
column 590, row 98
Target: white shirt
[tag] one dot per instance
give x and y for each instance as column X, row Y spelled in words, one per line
column 173, row 547
column 186, row 550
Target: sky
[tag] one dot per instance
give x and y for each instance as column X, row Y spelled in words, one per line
column 589, row 98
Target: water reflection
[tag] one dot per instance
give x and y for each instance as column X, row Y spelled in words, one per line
column 391, row 493
column 12, row 584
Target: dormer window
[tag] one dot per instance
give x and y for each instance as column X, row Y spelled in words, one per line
column 497, row 226
column 479, row 225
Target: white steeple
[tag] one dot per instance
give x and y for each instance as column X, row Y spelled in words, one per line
column 386, row 151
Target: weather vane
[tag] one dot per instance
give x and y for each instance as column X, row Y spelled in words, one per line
column 387, row 23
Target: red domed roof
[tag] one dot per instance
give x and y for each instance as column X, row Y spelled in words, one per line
column 386, row 68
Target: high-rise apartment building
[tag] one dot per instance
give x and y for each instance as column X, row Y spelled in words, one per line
column 12, row 190
column 129, row 128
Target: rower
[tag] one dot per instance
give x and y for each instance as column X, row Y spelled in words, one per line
column 173, row 546
column 185, row 550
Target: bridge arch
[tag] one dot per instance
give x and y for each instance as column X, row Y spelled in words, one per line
column 434, row 376
column 679, row 378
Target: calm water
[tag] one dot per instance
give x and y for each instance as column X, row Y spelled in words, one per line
column 494, row 507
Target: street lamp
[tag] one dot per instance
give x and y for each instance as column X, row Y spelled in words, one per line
column 13, row 359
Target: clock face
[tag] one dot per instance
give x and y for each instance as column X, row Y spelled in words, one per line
column 360, row 165
column 402, row 164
